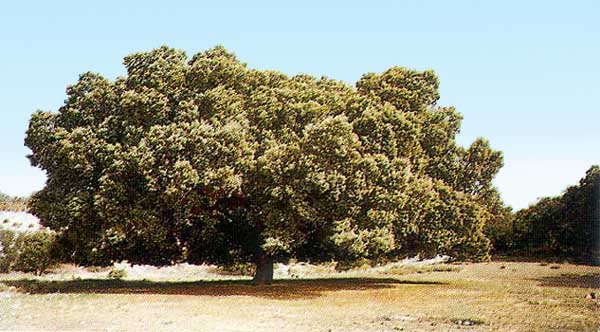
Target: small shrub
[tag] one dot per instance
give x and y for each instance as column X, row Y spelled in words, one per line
column 468, row 321
column 237, row 269
column 117, row 273
column 27, row 252
column 402, row 269
column 358, row 264
column 36, row 252
column 445, row 268
column 8, row 250
column 97, row 269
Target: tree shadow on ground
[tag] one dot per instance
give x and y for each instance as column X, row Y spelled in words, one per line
column 280, row 289
column 571, row 280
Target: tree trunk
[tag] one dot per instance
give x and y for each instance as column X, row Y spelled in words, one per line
column 264, row 270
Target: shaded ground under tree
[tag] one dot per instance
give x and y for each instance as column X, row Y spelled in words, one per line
column 279, row 289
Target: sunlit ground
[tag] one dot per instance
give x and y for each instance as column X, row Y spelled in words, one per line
column 476, row 297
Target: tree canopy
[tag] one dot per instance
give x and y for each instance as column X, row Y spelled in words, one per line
column 565, row 226
column 208, row 160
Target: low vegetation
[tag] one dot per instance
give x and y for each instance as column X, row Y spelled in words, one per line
column 117, row 273
column 399, row 270
column 10, row 203
column 27, row 252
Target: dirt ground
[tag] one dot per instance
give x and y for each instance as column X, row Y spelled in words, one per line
column 470, row 297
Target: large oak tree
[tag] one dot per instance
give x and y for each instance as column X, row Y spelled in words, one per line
column 207, row 160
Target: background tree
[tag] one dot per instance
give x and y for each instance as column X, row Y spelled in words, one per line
column 566, row 226
column 207, row 160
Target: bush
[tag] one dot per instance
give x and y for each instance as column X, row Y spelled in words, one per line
column 410, row 269
column 27, row 252
column 36, row 252
column 346, row 265
column 117, row 273
column 8, row 250
column 9, row 203
column 236, row 269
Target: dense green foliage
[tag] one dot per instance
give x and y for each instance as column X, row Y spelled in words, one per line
column 27, row 252
column 8, row 250
column 566, row 226
column 207, row 160
column 499, row 226
column 9, row 203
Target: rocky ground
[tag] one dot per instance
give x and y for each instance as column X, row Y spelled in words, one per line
column 19, row 221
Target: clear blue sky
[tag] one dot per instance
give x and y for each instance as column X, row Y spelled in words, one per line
column 525, row 74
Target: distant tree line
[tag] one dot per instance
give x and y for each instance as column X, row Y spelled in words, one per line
column 561, row 227
column 11, row 203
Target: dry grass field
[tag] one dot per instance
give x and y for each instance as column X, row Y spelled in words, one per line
column 497, row 296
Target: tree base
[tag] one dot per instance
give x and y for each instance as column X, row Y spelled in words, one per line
column 264, row 270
